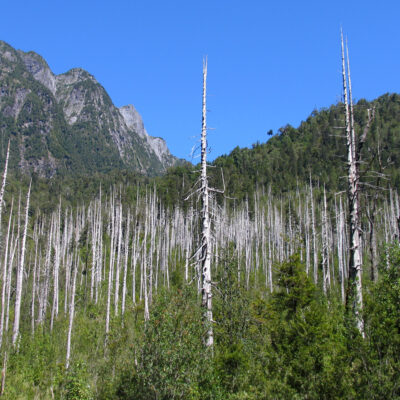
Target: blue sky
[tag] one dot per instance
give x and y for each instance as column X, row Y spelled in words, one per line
column 269, row 64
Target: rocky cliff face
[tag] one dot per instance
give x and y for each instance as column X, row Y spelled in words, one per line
column 68, row 122
column 157, row 145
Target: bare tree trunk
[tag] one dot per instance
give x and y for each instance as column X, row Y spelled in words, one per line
column 71, row 314
column 68, row 229
column 314, row 235
column 126, row 249
column 36, row 238
column 3, row 375
column 5, row 277
column 3, row 185
column 45, row 285
column 325, row 247
column 57, row 257
column 134, row 258
column 20, row 274
column 144, row 273
column 117, row 268
column 354, row 295
column 340, row 247
column 206, row 228
column 111, row 267
column 14, row 244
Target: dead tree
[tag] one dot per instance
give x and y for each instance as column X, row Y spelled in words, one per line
column 20, row 274
column 205, row 223
column 71, row 313
column 354, row 291
column 3, row 185
column 5, row 276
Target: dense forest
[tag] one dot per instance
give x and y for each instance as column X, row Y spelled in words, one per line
column 101, row 277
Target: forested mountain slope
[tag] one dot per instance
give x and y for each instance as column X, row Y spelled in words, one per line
column 317, row 148
column 100, row 276
column 67, row 123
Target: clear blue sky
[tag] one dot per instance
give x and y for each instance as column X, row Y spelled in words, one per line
column 270, row 63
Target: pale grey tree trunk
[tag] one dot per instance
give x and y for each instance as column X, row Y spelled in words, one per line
column 5, row 276
column 68, row 229
column 45, row 285
column 355, row 260
column 14, row 245
column 20, row 274
column 57, row 257
column 144, row 273
column 126, row 250
column 314, row 235
column 71, row 314
column 111, row 267
column 3, row 374
column 3, row 184
column 206, row 228
column 325, row 246
column 36, row 239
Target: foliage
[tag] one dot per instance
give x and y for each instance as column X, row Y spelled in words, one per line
column 74, row 385
column 299, row 348
column 172, row 361
column 316, row 147
column 382, row 319
column 232, row 313
column 291, row 344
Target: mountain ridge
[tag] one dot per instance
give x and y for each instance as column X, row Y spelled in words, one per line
column 68, row 122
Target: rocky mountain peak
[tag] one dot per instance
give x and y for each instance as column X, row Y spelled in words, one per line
column 133, row 120
column 68, row 121
column 39, row 69
column 75, row 75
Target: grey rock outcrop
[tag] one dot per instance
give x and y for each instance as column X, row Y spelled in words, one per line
column 68, row 121
column 157, row 145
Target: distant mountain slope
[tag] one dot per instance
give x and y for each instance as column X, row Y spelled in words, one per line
column 67, row 122
column 316, row 147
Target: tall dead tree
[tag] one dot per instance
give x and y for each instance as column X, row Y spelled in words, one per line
column 20, row 273
column 354, row 291
column 3, row 184
column 5, row 277
column 71, row 312
column 205, row 224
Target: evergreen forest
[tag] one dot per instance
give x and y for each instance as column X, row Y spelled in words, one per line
column 102, row 275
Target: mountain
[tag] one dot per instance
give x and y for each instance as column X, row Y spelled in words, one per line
column 68, row 123
column 101, row 275
column 316, row 148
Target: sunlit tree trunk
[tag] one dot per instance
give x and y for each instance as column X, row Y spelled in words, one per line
column 126, row 250
column 111, row 267
column 3, row 184
column 206, row 228
column 314, row 235
column 117, row 267
column 354, row 295
column 5, row 276
column 14, row 245
column 325, row 246
column 71, row 313
column 144, row 273
column 36, row 240
column 20, row 273
column 57, row 258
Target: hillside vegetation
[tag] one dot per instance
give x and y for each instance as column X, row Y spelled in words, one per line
column 110, row 303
